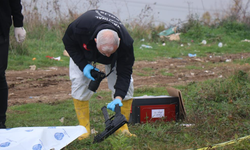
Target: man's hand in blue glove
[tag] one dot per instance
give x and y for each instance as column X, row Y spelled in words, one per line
column 87, row 69
column 112, row 104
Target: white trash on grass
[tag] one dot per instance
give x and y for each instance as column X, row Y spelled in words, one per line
column 220, row 44
column 145, row 46
column 204, row 42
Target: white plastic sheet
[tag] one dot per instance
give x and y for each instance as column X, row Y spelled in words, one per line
column 39, row 138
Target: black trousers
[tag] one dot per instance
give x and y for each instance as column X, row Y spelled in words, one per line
column 4, row 48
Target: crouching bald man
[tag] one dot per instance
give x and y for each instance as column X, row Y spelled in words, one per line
column 99, row 37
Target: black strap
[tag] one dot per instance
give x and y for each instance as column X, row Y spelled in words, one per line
column 112, row 62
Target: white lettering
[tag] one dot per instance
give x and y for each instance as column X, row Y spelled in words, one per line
column 107, row 19
column 106, row 16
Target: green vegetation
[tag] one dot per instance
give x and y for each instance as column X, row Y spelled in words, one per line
column 49, row 43
column 42, row 41
column 38, row 45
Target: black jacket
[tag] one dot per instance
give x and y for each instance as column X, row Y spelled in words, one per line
column 79, row 43
column 10, row 8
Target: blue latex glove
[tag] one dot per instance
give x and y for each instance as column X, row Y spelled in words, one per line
column 112, row 104
column 86, row 71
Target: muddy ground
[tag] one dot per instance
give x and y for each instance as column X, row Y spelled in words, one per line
column 52, row 84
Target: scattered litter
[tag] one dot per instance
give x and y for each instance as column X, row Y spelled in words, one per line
column 32, row 67
column 169, row 31
column 186, row 125
column 145, row 46
column 30, row 97
column 188, row 44
column 220, row 76
column 246, row 40
column 181, row 45
column 19, row 78
column 191, row 55
column 198, row 59
column 163, row 44
column 34, row 58
column 142, row 40
column 171, row 66
column 61, row 120
column 229, row 60
column 204, row 42
column 93, row 131
column 55, row 58
column 174, row 37
column 220, row 44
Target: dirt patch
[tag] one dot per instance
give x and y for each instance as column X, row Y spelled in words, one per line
column 52, row 84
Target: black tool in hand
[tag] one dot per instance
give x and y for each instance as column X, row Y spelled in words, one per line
column 98, row 76
column 112, row 124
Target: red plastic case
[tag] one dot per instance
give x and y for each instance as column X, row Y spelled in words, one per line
column 152, row 108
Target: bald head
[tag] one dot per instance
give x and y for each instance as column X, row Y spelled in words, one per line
column 107, row 42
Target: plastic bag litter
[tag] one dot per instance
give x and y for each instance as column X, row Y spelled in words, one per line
column 204, row 42
column 220, row 44
column 167, row 32
column 192, row 55
column 145, row 46
column 55, row 58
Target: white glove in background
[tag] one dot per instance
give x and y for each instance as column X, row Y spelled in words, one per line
column 20, row 34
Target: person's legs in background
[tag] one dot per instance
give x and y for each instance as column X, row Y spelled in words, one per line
column 4, row 45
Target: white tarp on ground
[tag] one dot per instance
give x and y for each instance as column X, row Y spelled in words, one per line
column 39, row 138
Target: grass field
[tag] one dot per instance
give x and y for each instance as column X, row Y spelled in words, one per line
column 219, row 109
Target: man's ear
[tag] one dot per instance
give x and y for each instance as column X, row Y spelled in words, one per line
column 95, row 39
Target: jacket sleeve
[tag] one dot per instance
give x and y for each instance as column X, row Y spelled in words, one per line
column 73, row 48
column 16, row 12
column 124, row 70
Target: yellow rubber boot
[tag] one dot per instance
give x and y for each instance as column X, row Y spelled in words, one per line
column 82, row 113
column 125, row 110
